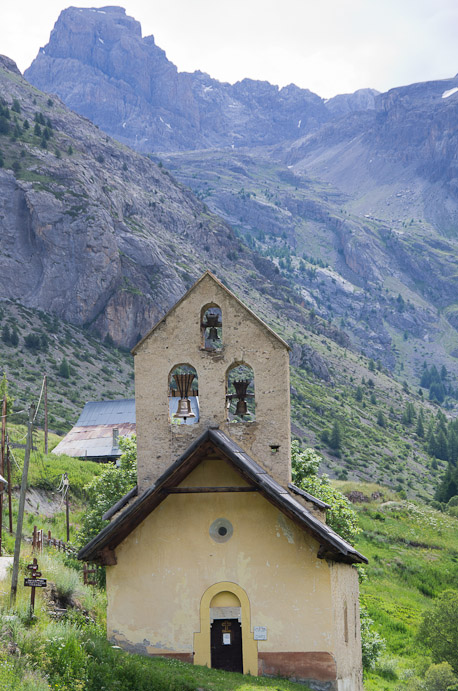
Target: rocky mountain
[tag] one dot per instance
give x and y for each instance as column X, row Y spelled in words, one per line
column 352, row 200
column 95, row 233
column 105, row 238
column 99, row 64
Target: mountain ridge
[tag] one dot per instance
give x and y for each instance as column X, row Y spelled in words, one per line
column 127, row 83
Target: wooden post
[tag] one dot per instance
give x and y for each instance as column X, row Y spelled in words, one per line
column 34, row 538
column 66, row 488
column 2, row 465
column 32, row 581
column 46, row 411
column 20, row 514
column 8, row 477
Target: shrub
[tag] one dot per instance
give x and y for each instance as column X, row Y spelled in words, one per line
column 108, row 488
column 372, row 643
column 440, row 677
column 341, row 516
column 439, row 631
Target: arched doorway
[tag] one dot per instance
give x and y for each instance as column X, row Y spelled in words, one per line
column 225, row 602
column 226, row 632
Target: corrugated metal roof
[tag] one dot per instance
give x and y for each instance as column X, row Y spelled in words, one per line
column 92, row 436
column 93, row 441
column 107, row 412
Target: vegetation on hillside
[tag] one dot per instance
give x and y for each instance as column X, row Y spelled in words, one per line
column 79, row 367
column 413, row 560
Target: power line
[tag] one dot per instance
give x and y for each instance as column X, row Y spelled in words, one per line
column 39, row 400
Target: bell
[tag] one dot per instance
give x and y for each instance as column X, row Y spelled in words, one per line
column 213, row 334
column 241, row 408
column 184, row 409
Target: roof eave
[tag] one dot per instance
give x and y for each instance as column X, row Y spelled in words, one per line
column 330, row 542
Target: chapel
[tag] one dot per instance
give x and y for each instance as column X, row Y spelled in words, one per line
column 216, row 558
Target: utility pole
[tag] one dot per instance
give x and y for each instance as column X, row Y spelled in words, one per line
column 8, row 477
column 20, row 515
column 66, row 488
column 46, row 411
column 2, row 464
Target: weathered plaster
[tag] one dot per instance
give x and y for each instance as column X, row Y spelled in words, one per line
column 171, row 576
column 347, row 632
column 246, row 340
column 176, row 561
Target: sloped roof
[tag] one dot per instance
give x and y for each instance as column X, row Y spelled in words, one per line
column 107, row 412
column 229, row 292
column 92, row 436
column 332, row 546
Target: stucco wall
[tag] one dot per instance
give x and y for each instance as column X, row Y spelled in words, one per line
column 167, row 564
column 177, row 340
column 347, row 632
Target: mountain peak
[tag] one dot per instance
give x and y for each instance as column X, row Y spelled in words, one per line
column 9, row 64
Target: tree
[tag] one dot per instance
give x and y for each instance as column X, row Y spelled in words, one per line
column 409, row 414
column 438, row 629
column 440, row 677
column 359, row 394
column 108, row 488
column 420, row 431
column 381, row 422
column 6, row 334
column 341, row 516
column 14, row 340
column 32, row 341
column 335, row 439
column 64, row 369
column 441, row 446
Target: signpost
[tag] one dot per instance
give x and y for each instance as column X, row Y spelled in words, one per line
column 34, row 582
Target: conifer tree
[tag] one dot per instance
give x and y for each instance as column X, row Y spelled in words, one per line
column 420, row 431
column 381, row 419
column 441, row 446
column 64, row 369
column 335, row 439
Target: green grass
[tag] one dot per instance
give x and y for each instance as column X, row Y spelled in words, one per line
column 413, row 556
column 71, row 653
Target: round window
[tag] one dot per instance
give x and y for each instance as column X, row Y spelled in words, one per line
column 221, row 530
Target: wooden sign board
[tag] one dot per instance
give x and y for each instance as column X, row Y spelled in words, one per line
column 36, row 582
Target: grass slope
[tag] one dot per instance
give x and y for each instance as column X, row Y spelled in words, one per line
column 413, row 557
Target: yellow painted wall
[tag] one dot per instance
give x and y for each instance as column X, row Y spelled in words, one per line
column 167, row 564
column 177, row 340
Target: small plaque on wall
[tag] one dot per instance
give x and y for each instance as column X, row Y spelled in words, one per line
column 260, row 633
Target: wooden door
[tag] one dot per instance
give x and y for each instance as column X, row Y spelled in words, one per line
column 226, row 645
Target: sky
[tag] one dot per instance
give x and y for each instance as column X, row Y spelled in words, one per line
column 327, row 46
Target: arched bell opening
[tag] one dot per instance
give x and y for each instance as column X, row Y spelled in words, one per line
column 240, row 398
column 211, row 326
column 183, row 395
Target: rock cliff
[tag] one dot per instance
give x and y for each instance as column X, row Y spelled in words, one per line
column 92, row 231
column 100, row 65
